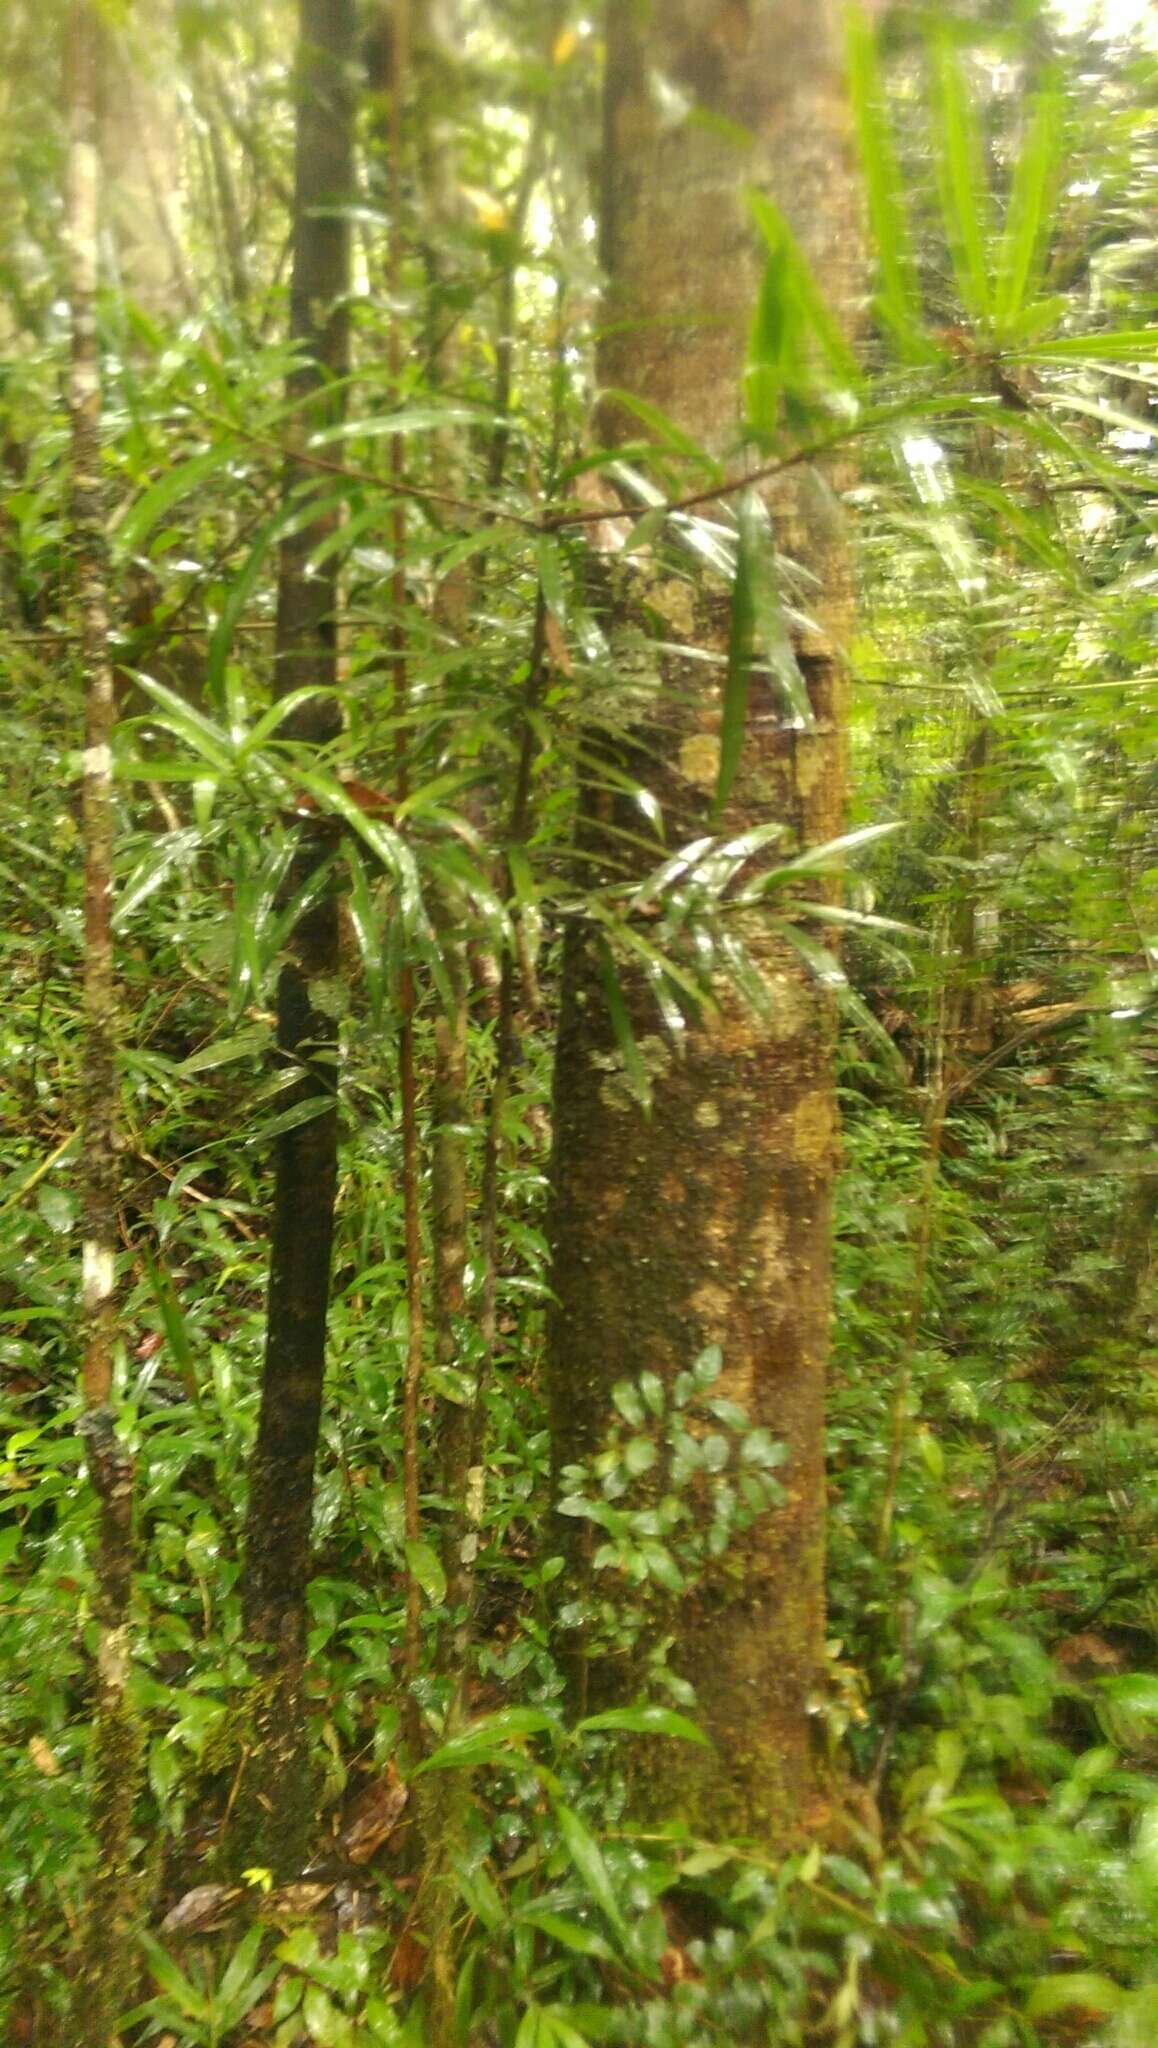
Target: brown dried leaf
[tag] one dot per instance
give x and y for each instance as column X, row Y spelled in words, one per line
column 408, row 1963
column 557, row 646
column 43, row 1757
column 199, row 1908
column 296, row 1901
column 373, row 1816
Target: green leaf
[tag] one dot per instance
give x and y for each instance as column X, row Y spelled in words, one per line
column 383, row 841
column 489, row 1740
column 1079, row 1987
column 414, row 419
column 57, row 1208
column 644, row 1721
column 571, row 1934
column 186, row 1996
column 898, row 300
column 533, row 2030
column 804, row 322
column 834, row 849
column 646, row 529
column 367, row 920
column 627, row 1398
column 243, row 1983
column 176, row 484
column 1118, row 345
column 293, row 1118
column 960, row 165
column 550, row 565
column 1029, row 216
column 637, row 1074
column 169, row 851
column 563, row 2034
column 1137, row 1691
column 757, row 628
column 639, row 1455
column 665, row 430
column 587, row 1858
column 173, row 1319
column 220, row 1052
column 760, row 1447
column 708, row 1366
column 652, row 1389
column 242, row 583
column 425, row 1564
column 198, row 732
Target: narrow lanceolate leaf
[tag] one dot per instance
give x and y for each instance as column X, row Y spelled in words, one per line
column 898, row 298
column 188, row 724
column 637, row 1073
column 496, row 1738
column 550, row 565
column 366, row 918
column 644, row 1721
column 795, row 344
column 587, row 1859
column 1117, row 345
column 758, row 631
column 741, row 645
column 961, row 180
column 167, row 854
column 176, row 1328
column 666, row 430
column 219, row 1052
column 244, row 582
column 177, row 483
column 1020, row 258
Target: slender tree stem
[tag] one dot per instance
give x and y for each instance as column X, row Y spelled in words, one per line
column 105, row 1979
column 275, row 1812
column 407, row 1078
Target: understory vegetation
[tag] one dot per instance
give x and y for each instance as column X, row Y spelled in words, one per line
column 497, row 1733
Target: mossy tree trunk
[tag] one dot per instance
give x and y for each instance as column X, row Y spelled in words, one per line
column 709, row 1221
column 276, row 1811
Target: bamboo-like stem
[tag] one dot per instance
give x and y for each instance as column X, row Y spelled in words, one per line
column 275, row 1809
column 407, row 1076
column 107, row 1952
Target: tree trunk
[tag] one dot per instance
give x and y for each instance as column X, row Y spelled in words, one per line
column 107, row 1965
column 708, row 1223
column 277, row 1542
column 141, row 159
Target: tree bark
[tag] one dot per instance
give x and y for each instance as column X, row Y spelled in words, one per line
column 277, row 1539
column 709, row 1222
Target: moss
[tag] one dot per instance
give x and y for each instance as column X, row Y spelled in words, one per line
column 106, row 1984
column 700, row 759
column 274, row 1811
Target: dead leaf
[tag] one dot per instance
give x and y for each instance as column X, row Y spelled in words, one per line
column 373, row 1816
column 557, row 646
column 408, row 1964
column 296, row 1901
column 199, row 1908
column 43, row 1757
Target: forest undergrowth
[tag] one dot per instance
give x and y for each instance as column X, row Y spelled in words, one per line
column 489, row 1861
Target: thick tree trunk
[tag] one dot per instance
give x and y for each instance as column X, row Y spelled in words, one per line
column 277, row 1543
column 709, row 1222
